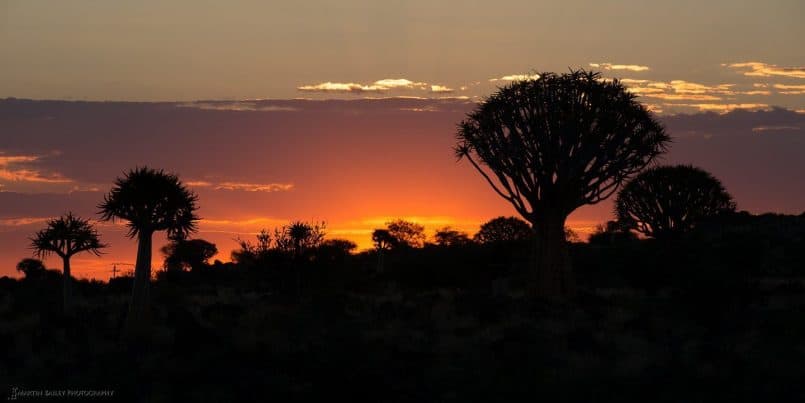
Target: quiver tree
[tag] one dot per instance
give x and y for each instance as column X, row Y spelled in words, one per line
column 553, row 144
column 66, row 236
column 664, row 202
column 299, row 237
column 149, row 200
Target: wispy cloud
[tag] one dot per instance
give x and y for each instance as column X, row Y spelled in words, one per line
column 759, row 69
column 755, row 92
column 200, row 184
column 255, row 187
column 241, row 186
column 632, row 81
column 628, row 67
column 686, row 87
column 385, row 84
column 428, row 108
column 516, row 77
column 17, row 168
column 721, row 108
column 22, row 221
column 339, row 87
column 644, row 90
column 250, row 224
column 392, row 83
column 679, row 90
column 760, row 129
column 790, row 89
column 440, row 89
column 682, row 97
column 250, row 106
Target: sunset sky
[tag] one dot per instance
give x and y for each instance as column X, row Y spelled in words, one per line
column 345, row 111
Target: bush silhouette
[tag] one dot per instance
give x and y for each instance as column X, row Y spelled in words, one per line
column 383, row 239
column 335, row 250
column 190, row 254
column 667, row 201
column 384, row 242
column 66, row 236
column 553, row 144
column 150, row 200
column 299, row 237
column 31, row 268
column 449, row 237
column 406, row 233
column 249, row 253
column 504, row 229
column 611, row 233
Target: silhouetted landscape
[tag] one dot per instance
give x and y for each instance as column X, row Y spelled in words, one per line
column 717, row 312
column 405, row 201
column 678, row 292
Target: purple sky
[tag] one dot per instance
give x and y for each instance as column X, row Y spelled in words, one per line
column 353, row 163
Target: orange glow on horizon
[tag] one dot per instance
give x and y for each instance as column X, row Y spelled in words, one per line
column 100, row 268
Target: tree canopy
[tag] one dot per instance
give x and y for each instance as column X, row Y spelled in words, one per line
column 149, row 200
column 152, row 200
column 560, row 141
column 447, row 236
column 193, row 254
column 31, row 268
column 65, row 236
column 504, row 229
column 555, row 143
column 406, row 233
column 666, row 201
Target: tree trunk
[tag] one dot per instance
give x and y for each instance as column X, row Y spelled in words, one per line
column 551, row 272
column 68, row 286
column 138, row 309
column 380, row 260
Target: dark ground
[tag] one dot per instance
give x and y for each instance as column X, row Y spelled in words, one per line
column 717, row 316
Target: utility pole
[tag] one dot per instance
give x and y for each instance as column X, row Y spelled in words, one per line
column 115, row 271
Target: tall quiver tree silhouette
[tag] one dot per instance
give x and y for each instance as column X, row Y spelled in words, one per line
column 665, row 202
column 555, row 143
column 149, row 200
column 66, row 236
